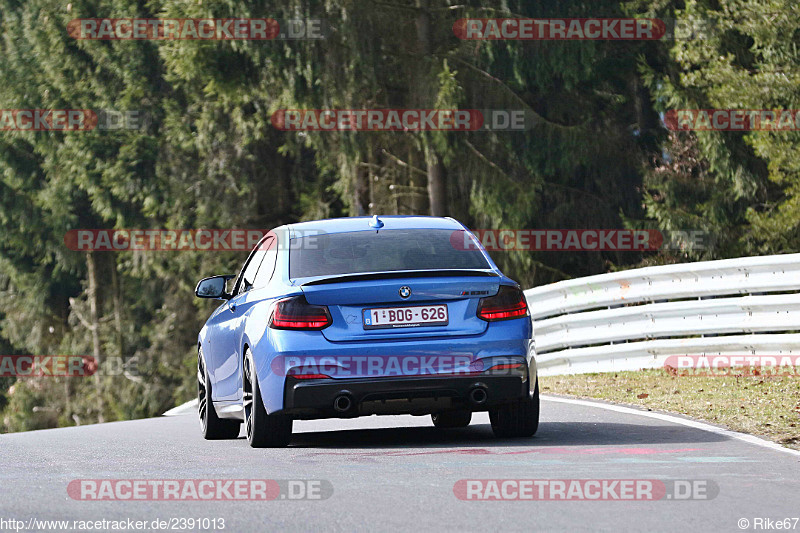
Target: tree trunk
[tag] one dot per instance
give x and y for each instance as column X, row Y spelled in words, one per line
column 94, row 321
column 415, row 195
column 437, row 191
column 361, row 190
column 117, row 309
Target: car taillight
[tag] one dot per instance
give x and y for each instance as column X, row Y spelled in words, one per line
column 512, row 366
column 308, row 376
column 508, row 303
column 297, row 313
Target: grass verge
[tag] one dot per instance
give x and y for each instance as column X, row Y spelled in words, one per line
column 767, row 406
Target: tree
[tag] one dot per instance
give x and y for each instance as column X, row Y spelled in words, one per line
column 741, row 187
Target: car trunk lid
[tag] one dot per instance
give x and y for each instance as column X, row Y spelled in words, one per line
column 353, row 301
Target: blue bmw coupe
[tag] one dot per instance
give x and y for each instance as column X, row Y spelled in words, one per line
column 366, row 315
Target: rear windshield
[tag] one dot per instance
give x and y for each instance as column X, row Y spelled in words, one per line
column 386, row 250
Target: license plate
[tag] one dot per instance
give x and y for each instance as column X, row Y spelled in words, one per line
column 405, row 317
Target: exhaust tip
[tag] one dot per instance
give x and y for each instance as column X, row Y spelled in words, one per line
column 342, row 403
column 478, row 396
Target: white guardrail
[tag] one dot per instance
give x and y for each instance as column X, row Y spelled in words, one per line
column 637, row 318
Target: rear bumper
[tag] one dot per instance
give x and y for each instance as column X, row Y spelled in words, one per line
column 416, row 395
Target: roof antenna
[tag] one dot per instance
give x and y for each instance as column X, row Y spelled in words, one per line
column 376, row 222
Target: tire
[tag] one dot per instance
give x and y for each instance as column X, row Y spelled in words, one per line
column 213, row 427
column 452, row 419
column 263, row 430
column 517, row 419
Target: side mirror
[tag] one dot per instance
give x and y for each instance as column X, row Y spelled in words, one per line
column 213, row 287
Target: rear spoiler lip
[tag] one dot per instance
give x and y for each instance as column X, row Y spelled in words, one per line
column 344, row 278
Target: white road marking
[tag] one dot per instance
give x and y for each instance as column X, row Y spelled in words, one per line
column 187, row 408
column 677, row 420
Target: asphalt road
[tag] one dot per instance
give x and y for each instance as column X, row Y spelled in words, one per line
column 399, row 473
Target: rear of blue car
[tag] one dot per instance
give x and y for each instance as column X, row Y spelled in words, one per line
column 398, row 315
